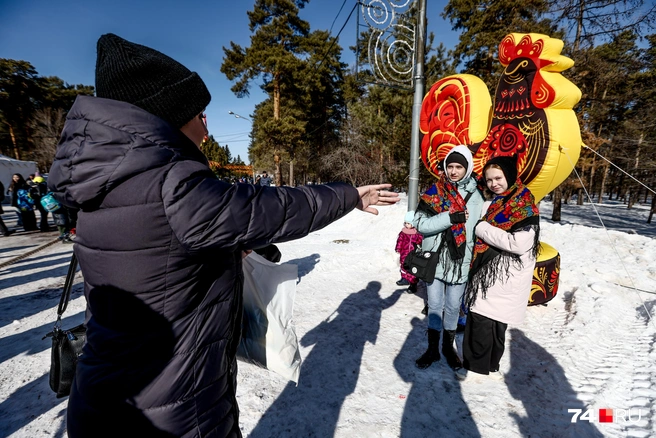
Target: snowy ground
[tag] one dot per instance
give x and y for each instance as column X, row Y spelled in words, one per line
column 592, row 347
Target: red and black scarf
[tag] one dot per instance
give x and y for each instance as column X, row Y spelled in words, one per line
column 512, row 211
column 442, row 197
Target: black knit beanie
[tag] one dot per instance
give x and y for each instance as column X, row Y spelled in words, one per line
column 149, row 79
column 455, row 157
column 508, row 165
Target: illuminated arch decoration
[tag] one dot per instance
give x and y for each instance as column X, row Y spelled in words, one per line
column 532, row 117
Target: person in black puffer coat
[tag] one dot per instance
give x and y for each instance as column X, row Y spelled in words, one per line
column 160, row 242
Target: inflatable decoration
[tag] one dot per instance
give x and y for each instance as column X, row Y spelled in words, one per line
column 455, row 111
column 545, row 275
column 531, row 118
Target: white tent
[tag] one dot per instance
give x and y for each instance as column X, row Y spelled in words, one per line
column 9, row 166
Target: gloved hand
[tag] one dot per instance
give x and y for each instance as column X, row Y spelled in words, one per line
column 458, row 217
column 409, row 216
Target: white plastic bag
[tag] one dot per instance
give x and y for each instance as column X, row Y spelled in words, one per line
column 268, row 336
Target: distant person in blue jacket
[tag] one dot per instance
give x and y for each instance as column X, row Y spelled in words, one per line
column 265, row 179
column 160, row 241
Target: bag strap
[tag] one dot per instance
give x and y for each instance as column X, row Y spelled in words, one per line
column 66, row 293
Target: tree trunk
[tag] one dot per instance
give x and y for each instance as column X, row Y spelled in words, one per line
column 276, row 167
column 291, row 173
column 13, row 142
column 579, row 191
column 557, row 204
column 653, row 208
column 276, row 116
column 579, row 26
column 382, row 177
column 602, row 187
column 635, row 192
column 621, row 190
column 592, row 175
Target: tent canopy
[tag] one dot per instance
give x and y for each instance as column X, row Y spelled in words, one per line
column 9, row 166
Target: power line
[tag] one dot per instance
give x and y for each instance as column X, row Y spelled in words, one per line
column 338, row 34
column 340, row 11
column 235, row 136
column 230, row 141
column 331, row 46
column 235, row 133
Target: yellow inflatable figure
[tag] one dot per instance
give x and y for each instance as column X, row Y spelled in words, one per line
column 531, row 118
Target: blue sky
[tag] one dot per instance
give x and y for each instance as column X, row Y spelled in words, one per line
column 59, row 39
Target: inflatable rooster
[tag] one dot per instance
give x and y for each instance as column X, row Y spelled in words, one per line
column 532, row 118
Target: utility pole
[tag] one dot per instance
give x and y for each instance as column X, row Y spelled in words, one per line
column 249, row 120
column 420, row 48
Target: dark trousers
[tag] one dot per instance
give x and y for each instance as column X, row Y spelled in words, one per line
column 3, row 228
column 483, row 344
column 43, row 224
column 29, row 220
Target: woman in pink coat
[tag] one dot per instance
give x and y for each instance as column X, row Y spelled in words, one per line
column 502, row 266
column 406, row 242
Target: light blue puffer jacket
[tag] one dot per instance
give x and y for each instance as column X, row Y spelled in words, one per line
column 432, row 228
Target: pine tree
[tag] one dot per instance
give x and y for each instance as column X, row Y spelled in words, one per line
column 32, row 110
column 484, row 24
column 272, row 57
column 19, row 94
column 588, row 22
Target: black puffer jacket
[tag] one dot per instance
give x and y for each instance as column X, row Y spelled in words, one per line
column 159, row 242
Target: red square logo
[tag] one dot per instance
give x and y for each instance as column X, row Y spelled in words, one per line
column 605, row 415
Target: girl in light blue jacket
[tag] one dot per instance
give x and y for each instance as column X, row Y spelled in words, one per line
column 446, row 216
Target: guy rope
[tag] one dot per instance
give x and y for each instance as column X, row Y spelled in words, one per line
column 633, row 286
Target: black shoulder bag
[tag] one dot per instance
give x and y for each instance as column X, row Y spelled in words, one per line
column 66, row 344
column 421, row 263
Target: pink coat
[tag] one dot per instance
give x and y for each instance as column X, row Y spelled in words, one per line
column 506, row 301
column 408, row 238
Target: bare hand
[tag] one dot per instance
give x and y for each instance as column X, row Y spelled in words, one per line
column 375, row 195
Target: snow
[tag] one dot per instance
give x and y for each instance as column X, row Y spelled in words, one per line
column 591, row 347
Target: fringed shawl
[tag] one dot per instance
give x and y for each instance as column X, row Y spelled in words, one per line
column 442, row 197
column 512, row 211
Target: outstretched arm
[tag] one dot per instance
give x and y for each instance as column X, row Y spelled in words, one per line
column 375, row 195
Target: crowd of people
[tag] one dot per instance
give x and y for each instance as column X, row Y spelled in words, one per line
column 27, row 196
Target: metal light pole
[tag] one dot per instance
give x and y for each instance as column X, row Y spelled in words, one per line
column 420, row 48
column 237, row 116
